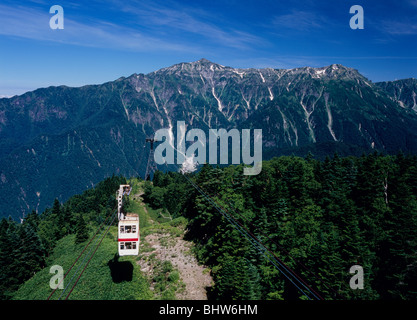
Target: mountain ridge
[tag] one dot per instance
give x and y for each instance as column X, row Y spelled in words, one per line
column 206, row 61
column 59, row 140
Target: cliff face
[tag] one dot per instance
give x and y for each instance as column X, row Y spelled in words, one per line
column 57, row 141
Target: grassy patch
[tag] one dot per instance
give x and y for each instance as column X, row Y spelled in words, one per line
column 97, row 281
column 107, row 276
column 167, row 280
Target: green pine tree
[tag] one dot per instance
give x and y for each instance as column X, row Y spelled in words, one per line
column 81, row 230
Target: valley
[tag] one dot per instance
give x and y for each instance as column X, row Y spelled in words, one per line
column 165, row 268
column 57, row 141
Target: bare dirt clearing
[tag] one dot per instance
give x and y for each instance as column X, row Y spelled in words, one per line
column 178, row 251
column 163, row 244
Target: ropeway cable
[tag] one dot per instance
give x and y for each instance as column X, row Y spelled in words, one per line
column 257, row 244
column 82, row 263
column 89, row 260
column 317, row 295
column 261, row 248
column 98, row 229
column 285, row 251
column 79, row 256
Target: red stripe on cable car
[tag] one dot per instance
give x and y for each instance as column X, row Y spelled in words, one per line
column 128, row 240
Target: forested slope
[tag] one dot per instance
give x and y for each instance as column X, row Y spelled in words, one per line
column 319, row 217
column 79, row 237
column 62, row 231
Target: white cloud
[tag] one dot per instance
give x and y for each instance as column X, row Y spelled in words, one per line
column 400, row 28
column 180, row 19
column 299, row 20
column 147, row 27
column 34, row 24
column 413, row 3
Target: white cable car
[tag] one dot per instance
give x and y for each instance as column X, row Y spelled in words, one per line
column 128, row 235
column 128, row 227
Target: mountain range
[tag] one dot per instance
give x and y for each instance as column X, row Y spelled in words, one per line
column 57, row 141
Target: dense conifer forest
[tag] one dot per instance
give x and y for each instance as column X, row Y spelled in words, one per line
column 319, row 218
column 25, row 246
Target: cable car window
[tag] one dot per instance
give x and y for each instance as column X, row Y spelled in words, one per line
column 128, row 245
column 133, row 228
column 128, row 229
column 122, row 245
column 122, row 229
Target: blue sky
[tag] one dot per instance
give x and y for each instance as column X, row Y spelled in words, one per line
column 104, row 40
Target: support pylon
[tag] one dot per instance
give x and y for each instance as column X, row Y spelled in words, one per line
column 151, row 166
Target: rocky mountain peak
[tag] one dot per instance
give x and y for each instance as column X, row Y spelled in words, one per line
column 101, row 129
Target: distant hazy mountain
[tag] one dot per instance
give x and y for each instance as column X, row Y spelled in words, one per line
column 58, row 141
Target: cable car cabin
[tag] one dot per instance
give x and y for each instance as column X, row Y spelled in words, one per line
column 128, row 235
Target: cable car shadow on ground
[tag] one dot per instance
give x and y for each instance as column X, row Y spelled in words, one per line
column 120, row 270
